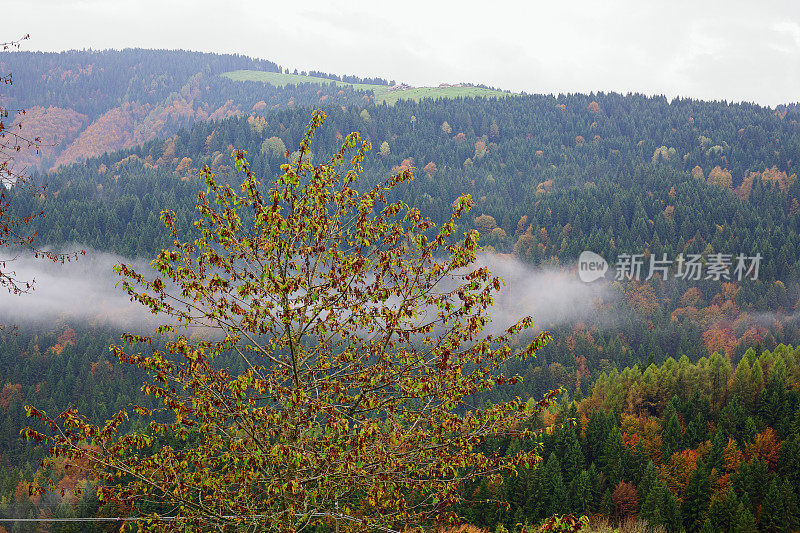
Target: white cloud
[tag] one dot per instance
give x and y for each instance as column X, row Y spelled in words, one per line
column 551, row 296
column 790, row 27
column 88, row 291
column 77, row 291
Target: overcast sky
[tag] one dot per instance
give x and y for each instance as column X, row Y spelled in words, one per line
column 733, row 50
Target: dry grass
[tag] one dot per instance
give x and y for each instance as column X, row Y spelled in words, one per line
column 462, row 529
column 631, row 525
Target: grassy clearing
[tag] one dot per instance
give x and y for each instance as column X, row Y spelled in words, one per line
column 382, row 92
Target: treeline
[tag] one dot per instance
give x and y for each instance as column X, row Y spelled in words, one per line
column 347, row 78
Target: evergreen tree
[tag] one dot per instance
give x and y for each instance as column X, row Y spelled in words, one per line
column 695, row 504
column 580, row 493
column 722, row 513
column 673, row 437
column 613, row 456
column 745, row 522
column 774, row 517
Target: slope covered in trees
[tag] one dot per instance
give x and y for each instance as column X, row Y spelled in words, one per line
column 696, row 447
column 551, row 176
column 88, row 102
column 704, row 446
column 538, row 198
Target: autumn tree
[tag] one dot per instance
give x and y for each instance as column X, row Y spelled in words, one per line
column 274, row 149
column 720, row 177
column 384, row 149
column 12, row 141
column 485, row 223
column 430, row 168
column 13, row 227
column 625, row 500
column 358, row 327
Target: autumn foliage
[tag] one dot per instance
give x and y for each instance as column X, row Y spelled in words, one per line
column 359, row 329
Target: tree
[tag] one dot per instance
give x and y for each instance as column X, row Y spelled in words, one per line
column 581, row 493
column 494, row 130
column 357, row 326
column 384, row 150
column 13, row 233
column 430, row 168
column 673, row 439
column 12, row 141
column 554, row 495
column 774, row 514
column 274, row 149
column 485, row 224
column 614, row 456
column 722, row 513
column 695, row 504
column 720, row 177
column 625, row 500
column 744, row 522
column 661, row 508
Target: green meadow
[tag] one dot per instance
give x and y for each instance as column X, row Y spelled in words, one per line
column 381, row 92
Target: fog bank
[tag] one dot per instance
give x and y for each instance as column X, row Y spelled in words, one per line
column 551, row 295
column 88, row 291
column 81, row 290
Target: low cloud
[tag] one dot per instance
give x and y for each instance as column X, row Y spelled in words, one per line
column 81, row 290
column 88, row 291
column 551, row 295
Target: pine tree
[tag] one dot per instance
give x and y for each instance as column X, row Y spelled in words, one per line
column 792, row 508
column 670, row 511
column 571, row 454
column 745, row 522
column 673, row 437
column 581, row 493
column 614, row 456
column 722, row 513
column 774, row 517
column 695, row 504
column 715, row 458
column 607, row 504
column 750, row 430
column 554, row 491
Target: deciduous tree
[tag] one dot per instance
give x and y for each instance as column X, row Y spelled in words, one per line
column 358, row 325
column 14, row 234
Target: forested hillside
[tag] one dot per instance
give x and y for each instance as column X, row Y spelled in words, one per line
column 695, row 447
column 655, row 177
column 84, row 103
column 685, row 392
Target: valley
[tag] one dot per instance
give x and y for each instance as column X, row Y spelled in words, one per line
column 678, row 396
